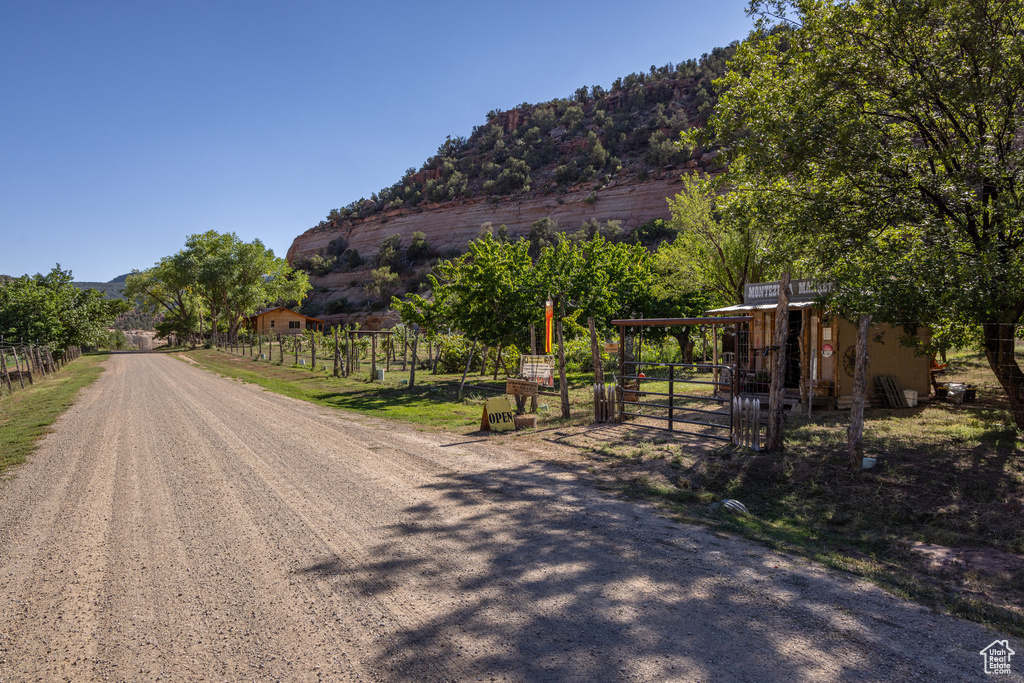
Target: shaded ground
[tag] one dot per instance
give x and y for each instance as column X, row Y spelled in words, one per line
column 183, row 526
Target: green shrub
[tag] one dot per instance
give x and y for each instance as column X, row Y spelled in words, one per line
column 338, row 306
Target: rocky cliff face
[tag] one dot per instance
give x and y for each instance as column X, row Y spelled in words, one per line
column 451, row 226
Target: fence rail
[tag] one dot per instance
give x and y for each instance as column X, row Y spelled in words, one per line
column 21, row 365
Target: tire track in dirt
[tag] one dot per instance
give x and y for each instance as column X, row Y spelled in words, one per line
column 180, row 526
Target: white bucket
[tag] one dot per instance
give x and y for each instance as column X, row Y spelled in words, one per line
column 911, row 397
column 867, row 463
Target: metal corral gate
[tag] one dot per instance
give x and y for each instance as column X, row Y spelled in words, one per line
column 681, row 397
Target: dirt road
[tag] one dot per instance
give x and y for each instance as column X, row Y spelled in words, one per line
column 179, row 526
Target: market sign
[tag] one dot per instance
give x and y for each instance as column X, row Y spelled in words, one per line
column 498, row 415
column 540, row 369
column 761, row 293
column 521, row 387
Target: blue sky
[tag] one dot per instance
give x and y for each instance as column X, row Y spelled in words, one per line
column 126, row 126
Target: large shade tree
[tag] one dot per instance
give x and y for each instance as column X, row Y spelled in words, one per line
column 49, row 309
column 893, row 130
column 217, row 276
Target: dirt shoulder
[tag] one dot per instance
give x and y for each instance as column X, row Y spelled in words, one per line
column 182, row 526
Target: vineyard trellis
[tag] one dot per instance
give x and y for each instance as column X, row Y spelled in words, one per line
column 20, row 362
column 347, row 350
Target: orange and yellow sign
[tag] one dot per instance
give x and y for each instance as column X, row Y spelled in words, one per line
column 549, row 315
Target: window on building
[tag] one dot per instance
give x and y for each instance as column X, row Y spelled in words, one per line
column 294, row 325
column 271, row 323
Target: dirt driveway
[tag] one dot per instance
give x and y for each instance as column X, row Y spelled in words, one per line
column 179, row 526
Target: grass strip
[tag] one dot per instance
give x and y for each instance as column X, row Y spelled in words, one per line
column 26, row 415
column 432, row 404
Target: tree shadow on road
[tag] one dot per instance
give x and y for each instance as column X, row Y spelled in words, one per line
column 532, row 576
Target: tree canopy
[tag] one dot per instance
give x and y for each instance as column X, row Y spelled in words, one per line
column 216, row 276
column 49, row 309
column 890, row 131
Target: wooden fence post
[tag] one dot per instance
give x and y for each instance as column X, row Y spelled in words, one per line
column 775, row 396
column 3, row 368
column 415, row 342
column 373, row 357
column 596, row 353
column 563, row 385
column 337, row 353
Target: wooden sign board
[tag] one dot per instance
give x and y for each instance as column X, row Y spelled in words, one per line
column 521, row 387
column 611, row 348
column 540, row 369
column 498, row 415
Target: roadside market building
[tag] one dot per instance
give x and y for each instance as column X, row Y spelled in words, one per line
column 820, row 348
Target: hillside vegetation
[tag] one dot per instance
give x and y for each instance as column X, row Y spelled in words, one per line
column 597, row 137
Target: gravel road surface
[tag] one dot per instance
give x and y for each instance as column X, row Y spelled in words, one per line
column 180, row 526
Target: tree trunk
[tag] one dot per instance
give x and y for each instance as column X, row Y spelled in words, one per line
column 466, row 371
column 483, row 360
column 563, row 385
column 855, row 433
column 497, row 361
column 774, row 441
column 999, row 350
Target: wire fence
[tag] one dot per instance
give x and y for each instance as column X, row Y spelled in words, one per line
column 22, row 365
column 349, row 352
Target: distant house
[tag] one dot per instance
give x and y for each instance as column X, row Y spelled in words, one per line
column 281, row 320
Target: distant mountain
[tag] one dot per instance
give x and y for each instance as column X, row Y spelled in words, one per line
column 113, row 289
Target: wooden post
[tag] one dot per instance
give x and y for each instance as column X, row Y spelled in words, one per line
column 38, row 358
column 295, row 347
column 671, row 395
column 312, row 351
column 596, row 353
column 533, row 339
column 714, row 357
column 17, row 366
column 805, row 389
column 497, row 360
column 855, row 434
column 563, row 385
column 3, row 368
column 405, row 344
column 280, row 347
column 337, row 353
column 773, row 443
column 261, row 343
column 415, row 342
column 373, row 357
